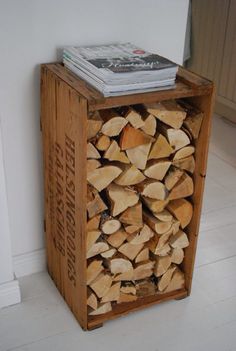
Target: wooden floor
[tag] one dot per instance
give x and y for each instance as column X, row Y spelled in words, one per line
column 204, row 321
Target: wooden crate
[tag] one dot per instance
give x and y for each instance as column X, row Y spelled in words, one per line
column 66, row 103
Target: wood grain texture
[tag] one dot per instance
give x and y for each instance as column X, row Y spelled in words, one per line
column 48, row 125
column 205, row 104
column 64, row 122
column 188, row 84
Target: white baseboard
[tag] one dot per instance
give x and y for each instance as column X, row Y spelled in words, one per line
column 9, row 293
column 29, row 263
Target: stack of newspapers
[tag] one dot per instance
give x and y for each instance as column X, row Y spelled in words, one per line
column 119, row 69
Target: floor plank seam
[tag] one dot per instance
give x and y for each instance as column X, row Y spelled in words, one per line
column 216, row 261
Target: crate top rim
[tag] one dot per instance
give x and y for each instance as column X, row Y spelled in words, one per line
column 187, row 84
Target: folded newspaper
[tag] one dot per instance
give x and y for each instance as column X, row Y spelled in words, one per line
column 120, row 69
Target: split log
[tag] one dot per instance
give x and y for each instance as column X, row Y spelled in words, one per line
column 133, row 215
column 143, row 236
column 177, row 281
column 132, row 137
column 145, row 288
column 104, row 308
column 103, row 143
column 126, row 276
column 117, row 239
column 193, row 120
column 186, row 131
column 182, row 210
column 130, row 175
column 93, row 164
column 179, row 240
column 157, row 169
column 142, row 256
column 132, row 229
column 177, row 255
column 155, row 224
column 95, row 205
column 101, row 177
column 187, row 164
column 93, row 270
column 161, row 265
column 177, row 138
column 161, row 148
column 108, row 254
column 150, row 125
column 119, row 265
column 121, row 198
column 113, row 153
column 128, row 288
column 155, row 206
column 134, row 118
column 92, row 301
column 126, row 298
column 101, row 284
column 113, row 293
column 152, row 189
column 114, row 126
column 143, row 270
column 92, row 152
column 138, row 155
column 168, row 112
column 173, row 177
column 93, row 223
column 183, row 188
column 130, row 250
column 94, row 125
column 164, row 281
column 164, row 216
column 110, row 225
column 193, row 124
column 175, row 226
column 92, row 237
column 184, row 152
column 158, row 245
column 97, row 248
column 164, row 250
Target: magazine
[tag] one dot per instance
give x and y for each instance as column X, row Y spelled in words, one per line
column 117, row 69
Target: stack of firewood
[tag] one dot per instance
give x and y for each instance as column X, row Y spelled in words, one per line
column 139, row 173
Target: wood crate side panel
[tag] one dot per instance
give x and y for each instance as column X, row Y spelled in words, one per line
column 71, row 147
column 48, row 124
column 76, row 129
column 205, row 104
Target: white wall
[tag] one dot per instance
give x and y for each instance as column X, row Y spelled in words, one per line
column 9, row 287
column 6, row 271
column 31, row 31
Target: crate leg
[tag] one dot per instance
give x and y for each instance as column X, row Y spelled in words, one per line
column 181, row 298
column 96, row 326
